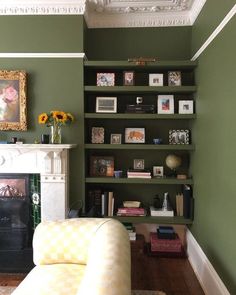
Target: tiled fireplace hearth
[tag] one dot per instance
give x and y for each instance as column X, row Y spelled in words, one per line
column 48, row 160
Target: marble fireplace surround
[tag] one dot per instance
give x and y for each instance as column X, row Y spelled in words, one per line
column 52, row 163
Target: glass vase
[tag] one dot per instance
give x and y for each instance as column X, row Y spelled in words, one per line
column 55, row 134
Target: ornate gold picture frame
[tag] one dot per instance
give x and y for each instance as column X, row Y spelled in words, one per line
column 13, row 100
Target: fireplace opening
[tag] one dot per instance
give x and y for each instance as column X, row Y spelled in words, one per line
column 17, row 219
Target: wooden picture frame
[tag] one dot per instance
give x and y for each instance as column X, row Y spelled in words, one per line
column 106, row 104
column 128, row 78
column 105, row 79
column 97, row 135
column 174, row 78
column 101, row 166
column 134, row 135
column 13, row 100
column 116, row 138
column 139, row 164
column 165, row 104
column 179, row 136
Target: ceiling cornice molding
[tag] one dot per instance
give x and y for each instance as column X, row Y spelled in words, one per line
column 112, row 13
column 42, row 7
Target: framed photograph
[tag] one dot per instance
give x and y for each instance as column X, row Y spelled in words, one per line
column 179, row 137
column 134, row 135
column 105, row 79
column 101, row 166
column 165, row 104
column 174, row 78
column 98, row 135
column 185, row 106
column 106, row 104
column 138, row 164
column 13, row 100
column 158, row 171
column 116, row 138
column 155, row 79
column 128, row 78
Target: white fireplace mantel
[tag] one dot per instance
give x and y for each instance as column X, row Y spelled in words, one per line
column 51, row 161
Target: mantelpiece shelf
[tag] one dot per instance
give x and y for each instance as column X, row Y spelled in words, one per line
column 113, row 180
column 141, row 89
column 140, row 116
column 156, row 220
column 183, row 147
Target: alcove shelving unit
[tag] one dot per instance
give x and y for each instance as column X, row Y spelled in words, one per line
column 156, row 125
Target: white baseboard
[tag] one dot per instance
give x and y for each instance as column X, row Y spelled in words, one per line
column 206, row 274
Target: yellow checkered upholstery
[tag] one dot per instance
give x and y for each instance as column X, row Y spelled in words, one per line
column 81, row 256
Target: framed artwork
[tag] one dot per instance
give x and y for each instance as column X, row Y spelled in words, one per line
column 13, row 100
column 155, row 79
column 174, row 78
column 138, row 164
column 116, row 138
column 105, row 79
column 158, row 171
column 165, row 104
column 185, row 106
column 128, row 78
column 134, row 135
column 101, row 166
column 179, row 137
column 97, row 135
column 106, row 104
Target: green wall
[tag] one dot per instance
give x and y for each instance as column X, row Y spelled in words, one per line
column 214, row 166
column 121, row 44
column 51, row 83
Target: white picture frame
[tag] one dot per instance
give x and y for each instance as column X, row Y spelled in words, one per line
column 165, row 104
column 155, row 79
column 158, row 171
column 185, row 106
column 134, row 135
column 106, row 104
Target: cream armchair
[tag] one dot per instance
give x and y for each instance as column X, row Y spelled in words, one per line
column 81, row 256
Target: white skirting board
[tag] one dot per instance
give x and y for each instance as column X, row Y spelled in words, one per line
column 206, row 274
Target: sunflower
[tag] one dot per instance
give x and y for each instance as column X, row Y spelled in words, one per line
column 59, row 116
column 43, row 118
column 70, row 117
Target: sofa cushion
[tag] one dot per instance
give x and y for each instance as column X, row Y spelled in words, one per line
column 56, row 279
column 65, row 241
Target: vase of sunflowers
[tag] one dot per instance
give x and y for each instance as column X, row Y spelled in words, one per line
column 54, row 120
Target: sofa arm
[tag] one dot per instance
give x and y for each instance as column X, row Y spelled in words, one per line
column 108, row 269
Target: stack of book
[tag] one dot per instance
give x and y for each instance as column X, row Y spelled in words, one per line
column 165, row 241
column 131, row 211
column 131, row 231
column 139, row 174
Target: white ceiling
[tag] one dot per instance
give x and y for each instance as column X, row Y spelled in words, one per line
column 112, row 13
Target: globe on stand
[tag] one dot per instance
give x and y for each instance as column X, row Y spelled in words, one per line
column 173, row 162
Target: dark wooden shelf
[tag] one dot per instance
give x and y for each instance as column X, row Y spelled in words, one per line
column 156, row 220
column 125, row 180
column 180, row 147
column 139, row 89
column 140, row 116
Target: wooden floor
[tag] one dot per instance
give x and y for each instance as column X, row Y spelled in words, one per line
column 171, row 275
